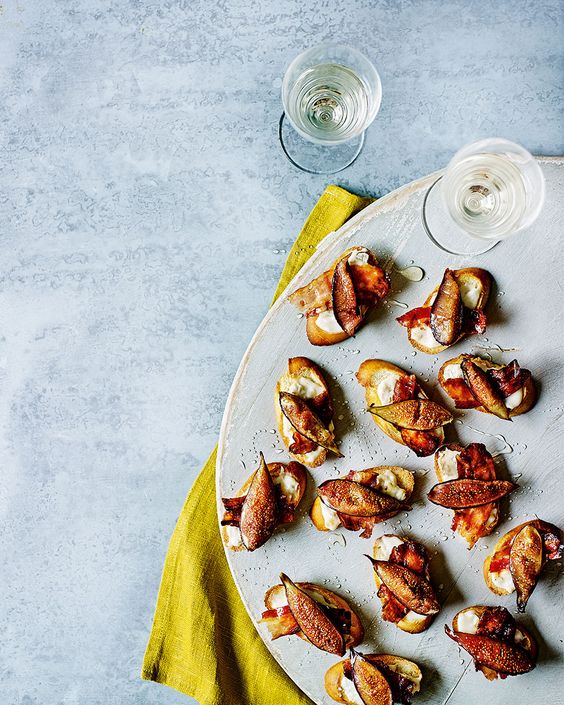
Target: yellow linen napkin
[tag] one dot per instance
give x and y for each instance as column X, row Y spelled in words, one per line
column 203, row 642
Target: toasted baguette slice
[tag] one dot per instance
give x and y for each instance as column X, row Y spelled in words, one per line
column 371, row 374
column 529, row 390
column 446, row 469
column 326, row 519
column 291, row 478
column 341, row 689
column 275, row 597
column 528, row 641
column 475, row 286
column 305, row 379
column 502, row 583
column 412, row 622
column 315, row 300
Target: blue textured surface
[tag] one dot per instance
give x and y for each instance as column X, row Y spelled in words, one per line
column 146, row 211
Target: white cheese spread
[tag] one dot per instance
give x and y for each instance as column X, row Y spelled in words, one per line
column 288, row 484
column 359, row 257
column 384, row 546
column 234, row 538
column 503, row 580
column 513, row 400
column 385, row 388
column 327, row 322
column 453, row 371
column 470, row 290
column 467, row 622
column 448, row 467
column 330, row 517
column 386, row 481
column 423, row 335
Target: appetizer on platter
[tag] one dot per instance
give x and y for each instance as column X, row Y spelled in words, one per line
column 401, row 408
column 452, row 310
column 474, row 383
column 362, row 499
column 304, row 412
column 401, row 572
column 518, row 557
column 336, row 303
column 469, row 486
column 373, row 679
column 313, row 613
column 267, row 499
column 499, row 645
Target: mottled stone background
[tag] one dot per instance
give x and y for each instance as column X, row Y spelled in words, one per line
column 145, row 214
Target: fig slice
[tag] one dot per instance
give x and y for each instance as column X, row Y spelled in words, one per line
column 356, row 500
column 525, row 563
column 446, row 311
column 413, row 414
column 307, row 422
column 369, row 681
column 501, row 656
column 465, row 493
column 259, row 514
column 313, row 621
column 408, row 587
column 482, row 389
column 344, row 300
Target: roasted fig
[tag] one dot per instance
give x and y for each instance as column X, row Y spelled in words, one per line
column 409, row 587
column 465, row 492
column 525, row 563
column 306, row 422
column 482, row 388
column 446, row 311
column 413, row 414
column 370, row 682
column 259, row 513
column 357, row 500
column 345, row 305
column 313, row 621
column 501, row 656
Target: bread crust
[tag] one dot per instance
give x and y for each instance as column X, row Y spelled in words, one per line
column 316, row 335
column 404, row 624
column 336, row 673
column 357, row 630
column 369, row 374
column 529, row 388
column 405, row 479
column 529, row 643
column 296, row 366
column 297, row 472
column 469, row 273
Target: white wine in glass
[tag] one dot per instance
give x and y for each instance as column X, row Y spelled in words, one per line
column 331, row 94
column 490, row 190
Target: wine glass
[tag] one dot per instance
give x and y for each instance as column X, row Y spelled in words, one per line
column 331, row 93
column 490, row 190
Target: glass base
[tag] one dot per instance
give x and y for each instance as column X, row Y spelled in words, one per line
column 317, row 158
column 444, row 232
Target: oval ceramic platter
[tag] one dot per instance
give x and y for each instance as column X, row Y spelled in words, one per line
column 524, row 321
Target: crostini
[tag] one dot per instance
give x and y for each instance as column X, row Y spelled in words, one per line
column 460, row 470
column 401, row 572
column 401, row 408
column 518, row 557
column 373, row 679
column 452, row 310
column 474, row 383
column 362, row 499
column 267, row 499
column 304, row 412
column 336, row 303
column 313, row 613
column 499, row 645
